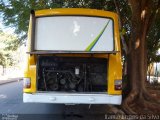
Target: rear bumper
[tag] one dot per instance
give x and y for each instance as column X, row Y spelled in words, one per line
column 70, row 98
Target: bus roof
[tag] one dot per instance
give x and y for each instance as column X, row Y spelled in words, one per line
column 75, row 11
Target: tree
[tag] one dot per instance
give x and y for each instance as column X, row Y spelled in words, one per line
column 15, row 13
column 8, row 44
column 153, row 41
column 143, row 14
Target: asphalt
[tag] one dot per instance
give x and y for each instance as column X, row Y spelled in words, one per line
column 9, row 80
column 12, row 107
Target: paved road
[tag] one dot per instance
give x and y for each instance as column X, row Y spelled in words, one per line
column 12, row 106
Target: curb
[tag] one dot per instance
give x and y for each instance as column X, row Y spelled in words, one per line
column 10, row 80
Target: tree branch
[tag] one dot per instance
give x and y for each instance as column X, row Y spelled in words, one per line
column 125, row 48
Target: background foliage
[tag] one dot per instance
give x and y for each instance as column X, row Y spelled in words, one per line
column 8, row 45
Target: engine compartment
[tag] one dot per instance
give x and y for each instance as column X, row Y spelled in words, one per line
column 71, row 74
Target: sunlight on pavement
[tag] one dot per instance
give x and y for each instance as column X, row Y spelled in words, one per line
column 2, row 96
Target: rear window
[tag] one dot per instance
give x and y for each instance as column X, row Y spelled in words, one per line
column 74, row 33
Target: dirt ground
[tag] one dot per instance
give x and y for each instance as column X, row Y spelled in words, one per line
column 154, row 90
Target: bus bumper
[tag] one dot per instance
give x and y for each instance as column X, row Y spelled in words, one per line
column 72, row 98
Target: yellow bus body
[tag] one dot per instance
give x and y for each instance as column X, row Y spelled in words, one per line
column 114, row 64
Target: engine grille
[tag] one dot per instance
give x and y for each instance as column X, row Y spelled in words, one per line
column 71, row 74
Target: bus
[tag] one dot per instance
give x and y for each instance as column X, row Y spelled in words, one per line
column 73, row 57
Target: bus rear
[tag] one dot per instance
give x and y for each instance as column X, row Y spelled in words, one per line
column 74, row 57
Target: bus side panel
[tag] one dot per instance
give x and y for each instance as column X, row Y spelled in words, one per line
column 115, row 73
column 31, row 73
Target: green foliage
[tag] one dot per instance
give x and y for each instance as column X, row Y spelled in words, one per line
column 2, row 59
column 125, row 16
column 15, row 13
column 153, row 40
column 8, row 44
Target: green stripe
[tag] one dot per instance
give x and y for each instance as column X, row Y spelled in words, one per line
column 93, row 43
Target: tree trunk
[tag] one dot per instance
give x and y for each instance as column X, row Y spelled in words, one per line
column 3, row 70
column 137, row 56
